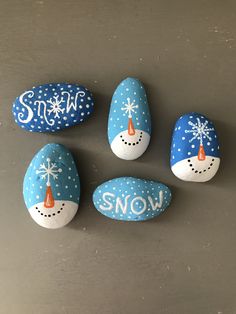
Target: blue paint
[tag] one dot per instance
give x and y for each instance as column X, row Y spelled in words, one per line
column 129, row 90
column 186, row 142
column 131, row 199
column 66, row 184
column 52, row 107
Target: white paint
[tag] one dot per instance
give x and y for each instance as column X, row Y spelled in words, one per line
column 122, row 206
column 136, row 199
column 104, row 197
column 183, row 170
column 130, row 152
column 125, row 206
column 30, row 113
column 157, row 204
column 59, row 220
column 42, row 106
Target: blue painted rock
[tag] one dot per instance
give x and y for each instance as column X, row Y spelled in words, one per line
column 51, row 187
column 195, row 152
column 131, row 199
column 52, row 107
column 129, row 123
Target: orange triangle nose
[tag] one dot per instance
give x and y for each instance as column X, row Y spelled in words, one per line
column 131, row 129
column 201, row 153
column 49, row 200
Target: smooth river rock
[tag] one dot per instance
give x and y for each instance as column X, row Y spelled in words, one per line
column 195, row 154
column 131, row 199
column 129, row 122
column 51, row 187
column 52, row 107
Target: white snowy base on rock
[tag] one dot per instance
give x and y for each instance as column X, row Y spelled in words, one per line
column 192, row 169
column 56, row 217
column 130, row 147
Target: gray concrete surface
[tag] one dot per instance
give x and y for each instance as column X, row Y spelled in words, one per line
column 180, row 263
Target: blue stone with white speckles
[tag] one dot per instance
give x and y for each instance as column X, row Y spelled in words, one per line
column 52, row 107
column 131, row 199
column 129, row 122
column 51, row 187
column 195, row 154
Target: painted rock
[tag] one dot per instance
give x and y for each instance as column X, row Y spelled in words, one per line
column 129, row 123
column 52, row 107
column 51, row 187
column 195, row 152
column 131, row 199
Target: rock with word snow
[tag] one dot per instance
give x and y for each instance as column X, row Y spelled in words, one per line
column 129, row 123
column 51, row 187
column 52, row 107
column 131, row 199
column 195, row 152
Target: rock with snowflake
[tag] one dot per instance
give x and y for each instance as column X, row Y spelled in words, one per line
column 195, row 151
column 51, row 187
column 129, row 122
column 52, row 107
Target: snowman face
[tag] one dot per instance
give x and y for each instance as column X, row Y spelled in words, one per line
column 128, row 146
column 51, row 187
column 195, row 148
column 193, row 169
column 129, row 123
column 55, row 217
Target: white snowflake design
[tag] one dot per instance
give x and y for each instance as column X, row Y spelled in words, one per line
column 129, row 107
column 48, row 170
column 199, row 131
column 55, row 106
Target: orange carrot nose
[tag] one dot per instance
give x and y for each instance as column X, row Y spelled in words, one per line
column 131, row 130
column 49, row 200
column 201, row 153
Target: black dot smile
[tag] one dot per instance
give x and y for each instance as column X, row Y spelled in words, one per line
column 203, row 170
column 51, row 214
column 131, row 143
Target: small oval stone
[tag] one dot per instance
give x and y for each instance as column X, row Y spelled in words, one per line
column 131, row 199
column 51, row 187
column 52, row 107
column 195, row 154
column 129, row 123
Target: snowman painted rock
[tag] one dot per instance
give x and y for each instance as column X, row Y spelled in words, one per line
column 129, row 123
column 195, row 152
column 131, row 199
column 52, row 107
column 51, row 187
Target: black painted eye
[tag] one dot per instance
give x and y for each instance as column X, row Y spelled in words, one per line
column 36, row 207
column 211, row 164
column 189, row 160
column 133, row 144
column 213, row 159
column 192, row 169
column 125, row 142
column 137, row 142
column 49, row 215
column 58, row 212
column 120, row 135
column 209, row 168
column 63, row 204
column 129, row 144
column 191, row 165
column 200, row 172
column 196, row 171
column 41, row 214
